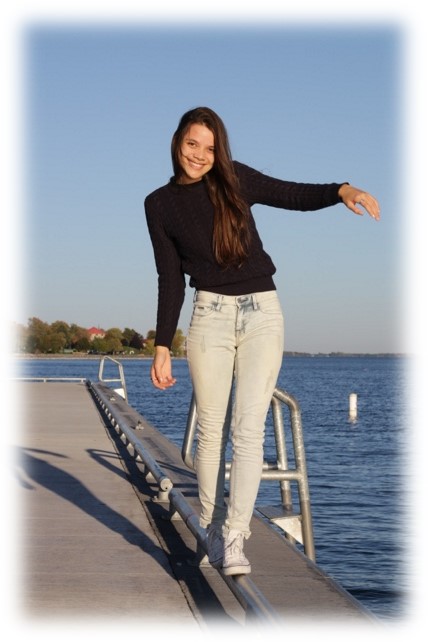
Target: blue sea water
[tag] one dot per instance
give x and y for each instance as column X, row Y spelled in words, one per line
column 355, row 468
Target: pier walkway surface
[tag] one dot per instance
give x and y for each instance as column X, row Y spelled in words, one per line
column 95, row 543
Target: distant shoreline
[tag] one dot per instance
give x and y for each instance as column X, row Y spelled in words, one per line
column 96, row 357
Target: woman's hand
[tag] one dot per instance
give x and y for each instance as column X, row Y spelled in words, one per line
column 352, row 197
column 161, row 371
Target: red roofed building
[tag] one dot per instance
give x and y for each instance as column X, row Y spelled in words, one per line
column 96, row 333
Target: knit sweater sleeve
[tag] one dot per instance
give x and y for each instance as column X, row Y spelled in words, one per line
column 171, row 282
column 266, row 190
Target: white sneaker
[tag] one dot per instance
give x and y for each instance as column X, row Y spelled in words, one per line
column 235, row 562
column 215, row 544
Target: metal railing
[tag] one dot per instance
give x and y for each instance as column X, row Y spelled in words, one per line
column 122, row 391
column 128, row 436
column 296, row 526
column 50, row 379
column 244, row 589
column 246, row 592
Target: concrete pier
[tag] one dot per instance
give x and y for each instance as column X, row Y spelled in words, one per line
column 88, row 544
column 95, row 543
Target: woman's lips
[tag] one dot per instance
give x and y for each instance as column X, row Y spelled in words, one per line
column 195, row 165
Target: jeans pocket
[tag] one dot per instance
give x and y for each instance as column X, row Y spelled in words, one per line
column 203, row 309
column 270, row 306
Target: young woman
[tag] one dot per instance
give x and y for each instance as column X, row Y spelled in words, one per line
column 201, row 224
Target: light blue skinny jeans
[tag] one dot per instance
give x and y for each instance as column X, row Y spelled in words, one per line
column 233, row 340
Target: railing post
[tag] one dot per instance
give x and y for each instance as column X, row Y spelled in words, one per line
column 296, row 527
column 300, row 460
column 120, row 391
column 281, row 450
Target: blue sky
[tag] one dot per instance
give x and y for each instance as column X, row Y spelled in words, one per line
column 305, row 103
column 308, row 92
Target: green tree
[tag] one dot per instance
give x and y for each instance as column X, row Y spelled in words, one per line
column 177, row 346
column 149, row 348
column 79, row 338
column 55, row 342
column 37, row 336
column 43, row 338
column 149, row 344
column 98, row 345
column 137, row 341
column 127, row 335
column 113, row 340
column 60, row 333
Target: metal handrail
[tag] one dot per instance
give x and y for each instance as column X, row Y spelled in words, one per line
column 50, row 379
column 121, row 424
column 244, row 589
column 301, row 473
column 274, row 471
column 121, row 391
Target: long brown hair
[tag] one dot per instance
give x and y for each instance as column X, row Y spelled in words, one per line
column 231, row 234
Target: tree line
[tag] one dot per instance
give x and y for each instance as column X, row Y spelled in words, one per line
column 39, row 337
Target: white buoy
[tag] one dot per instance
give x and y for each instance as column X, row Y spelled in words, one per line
column 352, row 406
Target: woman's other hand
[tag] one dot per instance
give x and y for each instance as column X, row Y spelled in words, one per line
column 161, row 370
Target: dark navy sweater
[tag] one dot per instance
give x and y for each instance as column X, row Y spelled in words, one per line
column 180, row 222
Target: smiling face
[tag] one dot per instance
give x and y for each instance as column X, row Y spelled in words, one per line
column 196, row 154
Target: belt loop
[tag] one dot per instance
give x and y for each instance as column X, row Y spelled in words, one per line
column 195, row 296
column 255, row 302
column 218, row 302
